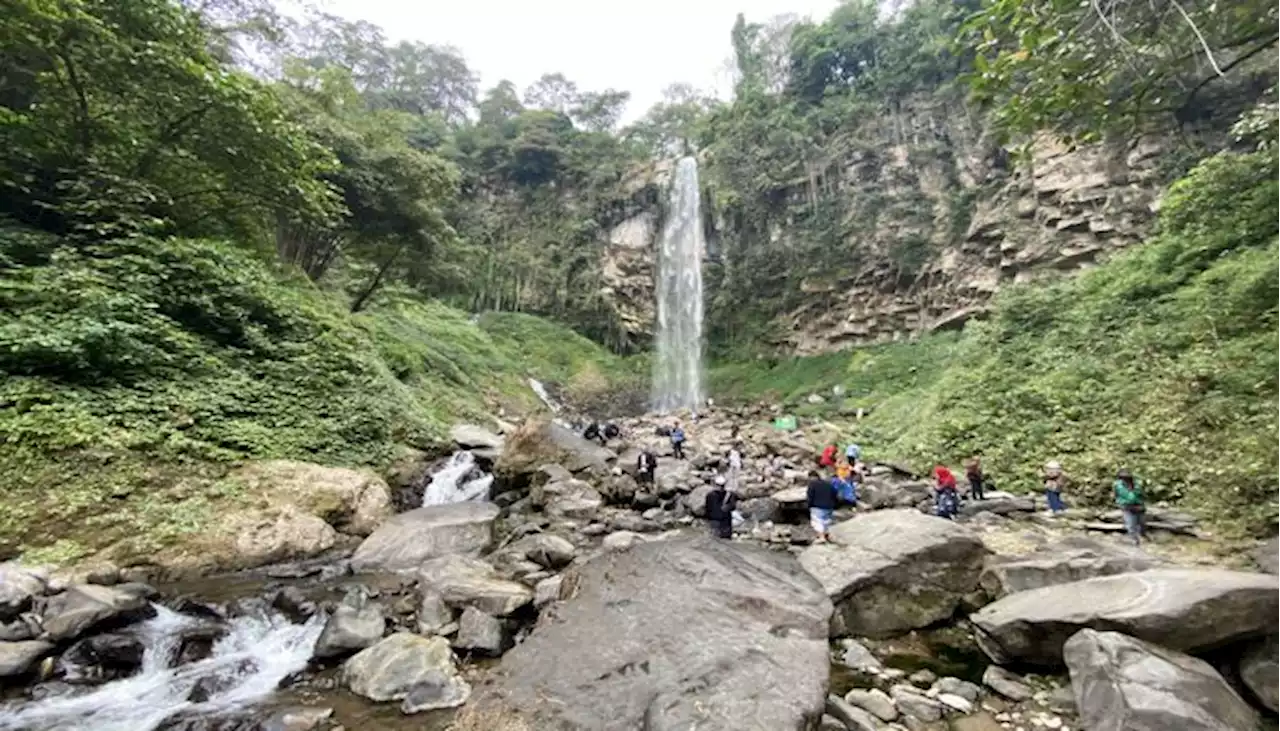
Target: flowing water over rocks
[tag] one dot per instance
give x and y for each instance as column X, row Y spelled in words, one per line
column 677, row 374
column 244, row 667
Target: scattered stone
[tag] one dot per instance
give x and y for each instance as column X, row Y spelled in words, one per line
column 355, row 624
column 1061, row 700
column 541, row 442
column 408, row 539
column 80, row 608
column 876, row 701
column 18, row 587
column 894, row 570
column 464, row 582
column 390, row 669
column 1006, row 683
column 100, row 659
column 1258, row 670
column 857, row 656
column 547, row 591
column 569, row 499
column 294, row 604
column 911, row 701
column 981, row 721
column 480, row 633
column 955, row 702
column 433, row 614
column 298, row 719
column 1183, row 609
column 853, row 718
column 16, row 658
column 481, row 442
column 1124, row 683
column 622, row 540
column 434, row 691
column 746, row 621
column 923, row 678
column 545, row 550
column 956, row 686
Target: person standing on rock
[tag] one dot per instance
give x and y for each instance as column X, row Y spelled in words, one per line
column 646, row 465
column 677, row 441
column 946, row 499
column 1055, row 481
column 822, row 499
column 720, row 506
column 853, row 453
column 1132, row 504
column 973, row 473
column 735, row 465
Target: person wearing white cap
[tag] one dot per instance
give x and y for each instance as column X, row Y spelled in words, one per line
column 720, row 506
column 1055, row 481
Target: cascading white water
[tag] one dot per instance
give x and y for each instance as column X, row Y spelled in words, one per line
column 248, row 663
column 541, row 391
column 677, row 371
column 457, row 482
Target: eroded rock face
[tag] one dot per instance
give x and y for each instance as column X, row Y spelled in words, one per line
column 1125, row 684
column 671, row 634
column 1183, row 609
column 894, row 570
column 1072, row 560
column 539, row 442
column 407, row 540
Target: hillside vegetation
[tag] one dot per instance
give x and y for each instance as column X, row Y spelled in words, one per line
column 1162, row 360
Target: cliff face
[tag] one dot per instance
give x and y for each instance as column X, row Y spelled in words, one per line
column 935, row 219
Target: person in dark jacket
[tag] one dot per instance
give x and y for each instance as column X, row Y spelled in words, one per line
column 592, row 433
column 946, row 497
column 823, row 498
column 973, row 473
column 677, row 441
column 611, row 431
column 720, row 506
column 646, row 465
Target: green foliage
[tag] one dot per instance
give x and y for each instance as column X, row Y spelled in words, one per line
column 1087, row 69
column 1162, row 360
column 116, row 118
column 132, row 367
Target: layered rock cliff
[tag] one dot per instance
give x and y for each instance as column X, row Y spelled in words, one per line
column 936, row 218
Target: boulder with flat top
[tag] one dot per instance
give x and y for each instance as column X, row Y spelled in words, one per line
column 890, row 571
column 406, row 540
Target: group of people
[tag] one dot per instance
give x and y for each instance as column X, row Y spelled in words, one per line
column 1127, row 492
column 825, row 494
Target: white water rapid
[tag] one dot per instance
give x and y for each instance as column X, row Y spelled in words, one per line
column 677, row 371
column 245, row 666
column 541, row 391
column 458, row 481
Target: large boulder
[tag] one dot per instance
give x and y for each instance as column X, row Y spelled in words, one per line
column 83, row 607
column 18, row 587
column 401, row 663
column 895, row 570
column 354, row 625
column 541, row 441
column 1074, row 559
column 1183, row 609
column 483, row 443
column 352, row 501
column 672, row 634
column 1258, row 670
column 461, row 582
column 1125, row 684
column 408, row 539
column 16, row 658
column 571, row 498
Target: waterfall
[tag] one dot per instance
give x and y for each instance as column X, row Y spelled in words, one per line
column 245, row 667
column 677, row 371
column 458, row 481
column 541, row 391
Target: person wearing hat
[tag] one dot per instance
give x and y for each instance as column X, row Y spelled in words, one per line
column 1132, row 504
column 1055, row 481
column 720, row 506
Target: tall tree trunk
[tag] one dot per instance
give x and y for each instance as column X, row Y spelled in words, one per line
column 363, row 298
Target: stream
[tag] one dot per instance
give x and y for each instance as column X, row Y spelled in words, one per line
column 255, row 652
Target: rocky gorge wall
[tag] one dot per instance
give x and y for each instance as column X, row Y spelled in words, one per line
column 936, row 217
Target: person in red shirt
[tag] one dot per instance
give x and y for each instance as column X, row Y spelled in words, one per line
column 946, row 498
column 828, row 458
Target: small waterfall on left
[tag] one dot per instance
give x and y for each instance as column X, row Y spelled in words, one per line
column 245, row 666
column 461, row 479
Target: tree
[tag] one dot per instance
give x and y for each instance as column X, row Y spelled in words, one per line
column 671, row 126
column 599, row 111
column 423, row 79
column 500, row 104
column 119, row 118
column 552, row 92
column 1106, row 65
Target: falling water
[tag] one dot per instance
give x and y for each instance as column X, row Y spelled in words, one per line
column 677, row 372
column 458, row 481
column 541, row 391
column 246, row 665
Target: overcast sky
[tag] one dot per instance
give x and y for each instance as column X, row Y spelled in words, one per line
column 639, row 47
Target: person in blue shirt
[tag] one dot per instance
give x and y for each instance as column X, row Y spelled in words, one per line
column 852, row 453
column 677, row 441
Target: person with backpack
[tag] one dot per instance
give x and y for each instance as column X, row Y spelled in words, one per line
column 973, row 473
column 1132, row 504
column 677, row 441
column 720, row 505
column 822, row 499
column 828, row 458
column 946, row 498
column 646, row 465
column 1055, row 482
